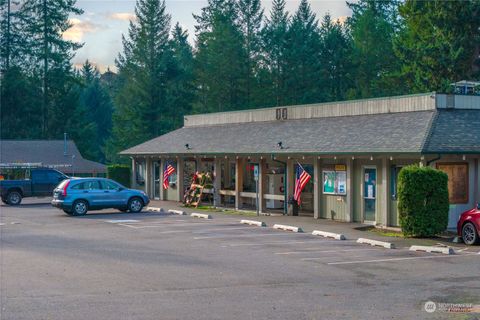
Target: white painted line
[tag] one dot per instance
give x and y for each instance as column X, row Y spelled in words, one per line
column 243, row 235
column 2, row 224
column 154, row 209
column 254, row 223
column 371, row 242
column 264, row 243
column 336, row 236
column 321, row 251
column 431, row 249
column 201, row 215
column 287, row 228
column 121, row 221
column 128, row 225
column 179, row 212
column 398, row 259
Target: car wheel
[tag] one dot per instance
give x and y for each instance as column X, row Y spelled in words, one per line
column 469, row 233
column 14, row 198
column 80, row 208
column 135, row 205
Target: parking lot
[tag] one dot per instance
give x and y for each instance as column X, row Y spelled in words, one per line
column 111, row 265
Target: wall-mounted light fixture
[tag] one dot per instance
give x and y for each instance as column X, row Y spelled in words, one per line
column 464, row 157
column 371, row 158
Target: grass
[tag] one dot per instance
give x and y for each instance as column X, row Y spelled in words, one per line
column 386, row 233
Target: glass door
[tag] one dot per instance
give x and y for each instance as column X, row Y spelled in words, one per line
column 369, row 194
column 156, row 180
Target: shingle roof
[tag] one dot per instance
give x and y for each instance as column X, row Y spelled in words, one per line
column 454, row 131
column 378, row 133
column 47, row 152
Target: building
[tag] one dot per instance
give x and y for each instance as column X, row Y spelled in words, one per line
column 57, row 154
column 353, row 151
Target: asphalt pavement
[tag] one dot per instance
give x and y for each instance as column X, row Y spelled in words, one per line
column 112, row 265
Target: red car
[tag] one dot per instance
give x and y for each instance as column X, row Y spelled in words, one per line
column 468, row 226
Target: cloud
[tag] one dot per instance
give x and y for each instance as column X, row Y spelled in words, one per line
column 78, row 29
column 122, row 16
column 341, row 20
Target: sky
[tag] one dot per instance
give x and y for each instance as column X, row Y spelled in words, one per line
column 101, row 26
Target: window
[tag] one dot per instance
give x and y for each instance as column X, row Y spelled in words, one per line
column 394, row 171
column 140, row 173
column 78, row 186
column 457, row 181
column 87, row 185
column 40, row 176
column 110, row 185
column 335, row 182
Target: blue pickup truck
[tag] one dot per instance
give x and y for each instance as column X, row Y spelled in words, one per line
column 41, row 184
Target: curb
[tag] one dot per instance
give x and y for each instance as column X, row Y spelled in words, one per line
column 154, row 209
column 336, row 236
column 179, row 212
column 371, row 242
column 254, row 223
column 444, row 250
column 201, row 215
column 287, row 228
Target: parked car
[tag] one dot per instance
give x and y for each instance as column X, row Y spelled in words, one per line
column 468, row 226
column 78, row 195
column 41, row 184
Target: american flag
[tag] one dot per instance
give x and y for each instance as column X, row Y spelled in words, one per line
column 169, row 169
column 301, row 179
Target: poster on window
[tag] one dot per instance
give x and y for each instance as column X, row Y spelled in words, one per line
column 341, row 182
column 329, row 182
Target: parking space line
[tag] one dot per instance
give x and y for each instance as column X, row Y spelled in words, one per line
column 321, row 251
column 390, row 259
column 243, row 235
column 267, row 243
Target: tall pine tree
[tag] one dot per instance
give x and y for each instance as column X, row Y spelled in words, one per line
column 440, row 43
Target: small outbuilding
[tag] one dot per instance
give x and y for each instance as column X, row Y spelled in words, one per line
column 353, row 150
column 58, row 154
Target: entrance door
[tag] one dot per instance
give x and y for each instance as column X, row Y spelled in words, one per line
column 156, row 180
column 369, row 194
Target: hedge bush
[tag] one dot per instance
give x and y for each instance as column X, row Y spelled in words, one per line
column 119, row 173
column 422, row 201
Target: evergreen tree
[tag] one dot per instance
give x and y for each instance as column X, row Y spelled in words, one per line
column 141, row 102
column 98, row 106
column 250, row 15
column 181, row 89
column 303, row 61
column 439, row 44
column 275, row 46
column 48, row 54
column 335, row 54
column 373, row 25
column 219, row 65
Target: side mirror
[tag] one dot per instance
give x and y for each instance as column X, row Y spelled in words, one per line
column 120, row 189
column 478, row 206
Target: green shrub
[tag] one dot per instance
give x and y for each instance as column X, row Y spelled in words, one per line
column 422, row 201
column 119, row 173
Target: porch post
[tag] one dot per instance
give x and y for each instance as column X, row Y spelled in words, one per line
column 217, row 176
column 148, row 176
column 238, row 182
column 180, row 179
column 385, row 191
column 290, row 180
column 261, row 184
column 476, row 182
column 133, row 178
column 162, row 166
column 316, row 188
column 350, row 190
